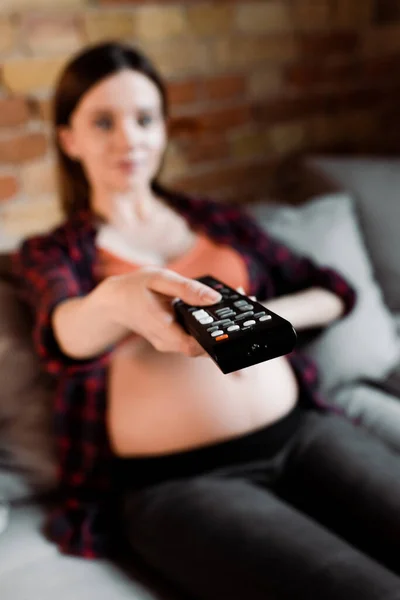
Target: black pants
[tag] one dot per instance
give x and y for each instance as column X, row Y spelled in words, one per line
column 308, row 509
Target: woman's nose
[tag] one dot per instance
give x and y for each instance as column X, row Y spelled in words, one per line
column 128, row 135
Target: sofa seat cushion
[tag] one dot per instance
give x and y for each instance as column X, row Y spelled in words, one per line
column 32, row 567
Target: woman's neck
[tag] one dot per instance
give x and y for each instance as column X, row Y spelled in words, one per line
column 123, row 209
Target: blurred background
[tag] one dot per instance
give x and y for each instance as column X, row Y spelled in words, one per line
column 250, row 83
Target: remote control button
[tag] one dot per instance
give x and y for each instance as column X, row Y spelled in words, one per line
column 216, row 333
column 206, row 321
column 260, row 314
column 246, row 307
column 211, row 329
column 241, row 303
column 223, row 322
column 220, row 311
column 233, row 328
column 266, row 318
column 234, row 297
column 248, row 323
column 229, row 315
column 200, row 314
column 244, row 315
column 221, row 337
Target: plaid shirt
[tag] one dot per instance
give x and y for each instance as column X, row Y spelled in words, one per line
column 60, row 265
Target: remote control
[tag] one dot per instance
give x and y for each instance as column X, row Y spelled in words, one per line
column 236, row 332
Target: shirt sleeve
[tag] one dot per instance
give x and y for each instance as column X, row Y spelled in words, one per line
column 46, row 276
column 290, row 272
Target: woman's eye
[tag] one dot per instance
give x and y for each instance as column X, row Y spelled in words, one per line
column 145, row 120
column 104, row 123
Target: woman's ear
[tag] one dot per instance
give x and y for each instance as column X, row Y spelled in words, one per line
column 67, row 142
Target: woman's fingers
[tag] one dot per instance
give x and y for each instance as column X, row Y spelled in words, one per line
column 173, row 338
column 189, row 290
column 240, row 289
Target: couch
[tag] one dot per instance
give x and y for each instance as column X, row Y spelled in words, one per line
column 340, row 211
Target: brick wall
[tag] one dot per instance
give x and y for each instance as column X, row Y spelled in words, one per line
column 249, row 81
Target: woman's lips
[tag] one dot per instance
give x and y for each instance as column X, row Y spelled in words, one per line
column 130, row 166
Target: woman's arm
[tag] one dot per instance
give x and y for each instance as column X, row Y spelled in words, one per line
column 84, row 327
column 310, row 308
column 139, row 302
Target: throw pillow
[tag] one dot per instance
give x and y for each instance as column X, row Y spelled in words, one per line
column 374, row 184
column 364, row 344
column 26, row 441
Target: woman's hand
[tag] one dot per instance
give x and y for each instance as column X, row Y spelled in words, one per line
column 142, row 302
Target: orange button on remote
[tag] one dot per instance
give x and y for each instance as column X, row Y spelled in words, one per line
column 221, row 337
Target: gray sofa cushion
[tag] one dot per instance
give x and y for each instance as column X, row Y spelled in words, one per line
column 31, row 567
column 14, row 486
column 375, row 185
column 365, row 343
column 374, row 409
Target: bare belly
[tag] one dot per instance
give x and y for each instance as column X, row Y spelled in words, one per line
column 165, row 402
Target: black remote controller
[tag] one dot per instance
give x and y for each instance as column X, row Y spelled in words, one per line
column 236, row 332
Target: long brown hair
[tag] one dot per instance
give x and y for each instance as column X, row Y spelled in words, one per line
column 81, row 73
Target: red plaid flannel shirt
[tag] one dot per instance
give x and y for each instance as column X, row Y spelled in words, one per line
column 60, row 265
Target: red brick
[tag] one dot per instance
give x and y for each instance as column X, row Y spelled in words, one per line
column 13, row 111
column 381, row 68
column 20, row 148
column 387, row 11
column 284, row 108
column 363, row 97
column 311, row 14
column 306, row 75
column 186, row 126
column 322, row 45
column 134, row 2
column 224, row 119
column 227, row 87
column 139, row 2
column 213, row 120
column 189, row 91
column 46, row 109
column 183, row 92
column 351, row 14
column 41, row 108
column 229, row 177
column 8, row 187
column 205, row 149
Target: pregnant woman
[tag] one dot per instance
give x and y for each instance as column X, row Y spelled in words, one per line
column 239, row 486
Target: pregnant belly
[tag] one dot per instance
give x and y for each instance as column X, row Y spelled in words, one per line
column 166, row 402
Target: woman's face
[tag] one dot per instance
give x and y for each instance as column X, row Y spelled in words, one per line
column 118, row 132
